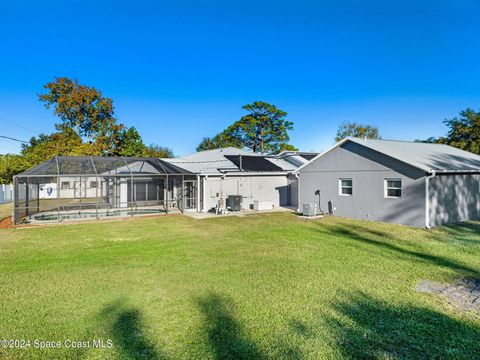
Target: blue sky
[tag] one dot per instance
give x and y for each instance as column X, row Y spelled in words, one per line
column 181, row 70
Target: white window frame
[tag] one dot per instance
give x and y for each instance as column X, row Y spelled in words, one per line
column 386, row 188
column 340, row 187
column 62, row 187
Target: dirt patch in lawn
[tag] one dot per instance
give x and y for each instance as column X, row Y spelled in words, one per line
column 6, row 223
column 464, row 294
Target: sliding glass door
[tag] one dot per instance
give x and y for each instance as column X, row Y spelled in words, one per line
column 147, row 192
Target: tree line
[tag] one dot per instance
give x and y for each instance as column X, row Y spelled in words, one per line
column 89, row 126
column 264, row 129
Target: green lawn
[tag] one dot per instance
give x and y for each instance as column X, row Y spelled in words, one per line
column 262, row 286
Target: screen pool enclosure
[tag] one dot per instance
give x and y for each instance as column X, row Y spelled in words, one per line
column 77, row 187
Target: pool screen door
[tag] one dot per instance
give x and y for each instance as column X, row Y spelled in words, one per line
column 190, row 194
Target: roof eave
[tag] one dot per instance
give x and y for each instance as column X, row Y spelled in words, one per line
column 445, row 171
column 359, row 142
column 246, row 173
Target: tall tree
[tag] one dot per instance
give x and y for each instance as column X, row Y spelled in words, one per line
column 263, row 129
column 353, row 129
column 130, row 143
column 287, row 147
column 158, row 151
column 220, row 140
column 464, row 131
column 85, row 110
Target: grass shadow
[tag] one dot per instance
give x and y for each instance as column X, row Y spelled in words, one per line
column 366, row 328
column 386, row 241
column 467, row 233
column 225, row 334
column 301, row 328
column 125, row 327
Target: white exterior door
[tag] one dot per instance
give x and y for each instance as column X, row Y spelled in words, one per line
column 80, row 189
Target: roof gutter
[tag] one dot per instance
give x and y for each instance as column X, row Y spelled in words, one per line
column 431, row 174
column 470, row 171
column 250, row 173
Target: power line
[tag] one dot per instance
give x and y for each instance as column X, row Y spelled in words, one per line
column 20, row 126
column 13, row 139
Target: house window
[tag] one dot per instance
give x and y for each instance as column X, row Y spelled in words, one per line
column 393, row 188
column 93, row 184
column 345, row 187
column 65, row 185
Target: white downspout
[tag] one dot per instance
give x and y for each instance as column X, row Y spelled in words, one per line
column 298, row 191
column 427, row 198
column 198, row 193
column 205, row 193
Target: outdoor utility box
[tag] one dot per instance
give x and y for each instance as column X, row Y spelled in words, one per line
column 262, row 205
column 234, row 202
column 309, row 209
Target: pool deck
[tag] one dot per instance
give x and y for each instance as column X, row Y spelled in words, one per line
column 32, row 222
column 241, row 213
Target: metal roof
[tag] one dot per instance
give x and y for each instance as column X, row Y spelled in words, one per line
column 103, row 166
column 218, row 161
column 296, row 158
column 253, row 163
column 208, row 161
column 425, row 156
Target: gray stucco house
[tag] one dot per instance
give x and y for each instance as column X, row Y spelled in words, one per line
column 409, row 183
column 231, row 171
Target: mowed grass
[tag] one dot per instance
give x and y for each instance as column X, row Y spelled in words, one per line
column 262, row 286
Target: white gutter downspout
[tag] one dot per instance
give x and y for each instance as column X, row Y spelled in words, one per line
column 298, row 191
column 198, row 193
column 205, row 193
column 427, row 199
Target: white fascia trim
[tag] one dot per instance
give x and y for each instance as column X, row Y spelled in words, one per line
column 239, row 174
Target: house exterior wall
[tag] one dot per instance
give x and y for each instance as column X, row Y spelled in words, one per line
column 49, row 190
column 454, row 198
column 368, row 170
column 271, row 188
column 293, row 191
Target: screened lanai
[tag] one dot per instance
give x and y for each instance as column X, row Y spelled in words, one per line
column 78, row 187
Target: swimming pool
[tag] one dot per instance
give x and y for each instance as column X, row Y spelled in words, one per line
column 92, row 214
